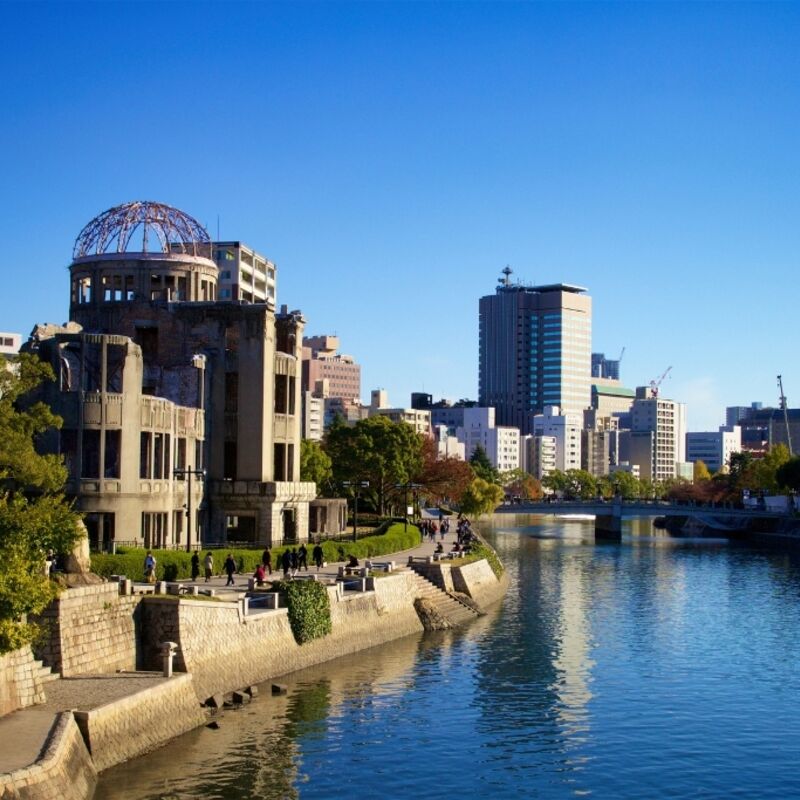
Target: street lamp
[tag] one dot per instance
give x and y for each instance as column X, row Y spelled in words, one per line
column 187, row 475
column 357, row 485
column 408, row 486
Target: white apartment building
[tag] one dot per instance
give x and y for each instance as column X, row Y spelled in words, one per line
column 545, row 450
column 447, row 446
column 500, row 443
column 244, row 274
column 714, row 448
column 10, row 343
column 566, row 430
column 665, row 421
column 313, row 416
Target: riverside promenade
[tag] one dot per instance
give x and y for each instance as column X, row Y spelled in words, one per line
column 25, row 732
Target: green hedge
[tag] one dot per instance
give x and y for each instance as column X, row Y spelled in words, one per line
column 174, row 565
column 309, row 608
column 479, row 550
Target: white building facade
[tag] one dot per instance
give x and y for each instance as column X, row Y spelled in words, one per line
column 714, row 448
column 500, row 443
column 566, row 430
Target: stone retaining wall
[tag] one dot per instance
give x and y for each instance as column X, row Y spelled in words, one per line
column 20, row 682
column 478, row 581
column 141, row 722
column 92, row 630
column 65, row 769
column 224, row 650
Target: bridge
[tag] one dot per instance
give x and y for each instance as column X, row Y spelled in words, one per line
column 721, row 517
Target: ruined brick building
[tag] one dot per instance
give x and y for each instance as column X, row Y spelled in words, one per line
column 163, row 387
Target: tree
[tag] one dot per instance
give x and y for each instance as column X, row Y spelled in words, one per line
column 377, row 450
column 481, row 497
column 765, row 470
column 315, row 464
column 619, row 484
column 788, row 474
column 34, row 515
column 519, row 483
column 442, row 479
column 700, row 472
column 482, row 467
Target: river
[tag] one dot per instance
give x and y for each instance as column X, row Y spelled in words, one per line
column 654, row 668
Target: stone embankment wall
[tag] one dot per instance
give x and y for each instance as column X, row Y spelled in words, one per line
column 65, row 769
column 140, row 722
column 478, row 581
column 20, row 681
column 92, row 629
column 224, row 650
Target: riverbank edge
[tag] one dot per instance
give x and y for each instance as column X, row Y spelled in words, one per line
column 214, row 662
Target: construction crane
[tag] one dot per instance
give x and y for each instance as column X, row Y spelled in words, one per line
column 785, row 408
column 654, row 384
column 619, row 360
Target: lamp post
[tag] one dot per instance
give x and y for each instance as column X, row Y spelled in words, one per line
column 187, row 475
column 357, row 485
column 407, row 486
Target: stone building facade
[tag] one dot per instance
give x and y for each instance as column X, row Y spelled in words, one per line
column 163, row 386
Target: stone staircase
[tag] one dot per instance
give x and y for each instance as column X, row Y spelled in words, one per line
column 451, row 608
column 43, row 673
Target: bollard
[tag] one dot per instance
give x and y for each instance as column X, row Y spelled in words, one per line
column 168, row 650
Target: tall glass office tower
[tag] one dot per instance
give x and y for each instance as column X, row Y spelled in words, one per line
column 535, row 351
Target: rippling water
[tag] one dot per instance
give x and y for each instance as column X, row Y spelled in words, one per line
column 654, row 668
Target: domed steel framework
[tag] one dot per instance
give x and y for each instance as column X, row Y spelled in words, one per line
column 114, row 230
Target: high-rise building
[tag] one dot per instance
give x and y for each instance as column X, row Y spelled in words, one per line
column 244, row 275
column 535, row 350
column 603, row 367
column 321, row 361
column 658, row 435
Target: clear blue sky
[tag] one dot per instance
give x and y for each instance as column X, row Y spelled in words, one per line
column 391, row 159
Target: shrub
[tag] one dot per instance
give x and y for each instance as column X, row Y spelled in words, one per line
column 309, row 609
column 479, row 550
column 175, row 565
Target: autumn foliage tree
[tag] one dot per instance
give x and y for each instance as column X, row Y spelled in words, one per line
column 442, row 480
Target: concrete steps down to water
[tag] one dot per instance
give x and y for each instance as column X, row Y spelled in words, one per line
column 452, row 609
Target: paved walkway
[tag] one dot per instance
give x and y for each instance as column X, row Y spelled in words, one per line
column 327, row 574
column 28, row 729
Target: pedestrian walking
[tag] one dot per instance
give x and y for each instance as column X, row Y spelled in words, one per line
column 209, row 565
column 266, row 560
column 293, row 559
column 195, row 565
column 316, row 554
column 302, row 558
column 230, row 568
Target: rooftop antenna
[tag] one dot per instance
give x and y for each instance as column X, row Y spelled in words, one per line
column 218, row 239
column 507, row 272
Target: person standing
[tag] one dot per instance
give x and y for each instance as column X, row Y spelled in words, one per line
column 316, row 554
column 150, row 567
column 286, row 563
column 302, row 558
column 266, row 560
column 293, row 561
column 209, row 566
column 195, row 565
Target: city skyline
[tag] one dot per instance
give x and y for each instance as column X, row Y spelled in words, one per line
column 392, row 159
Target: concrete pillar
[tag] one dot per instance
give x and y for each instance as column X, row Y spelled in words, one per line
column 609, row 526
